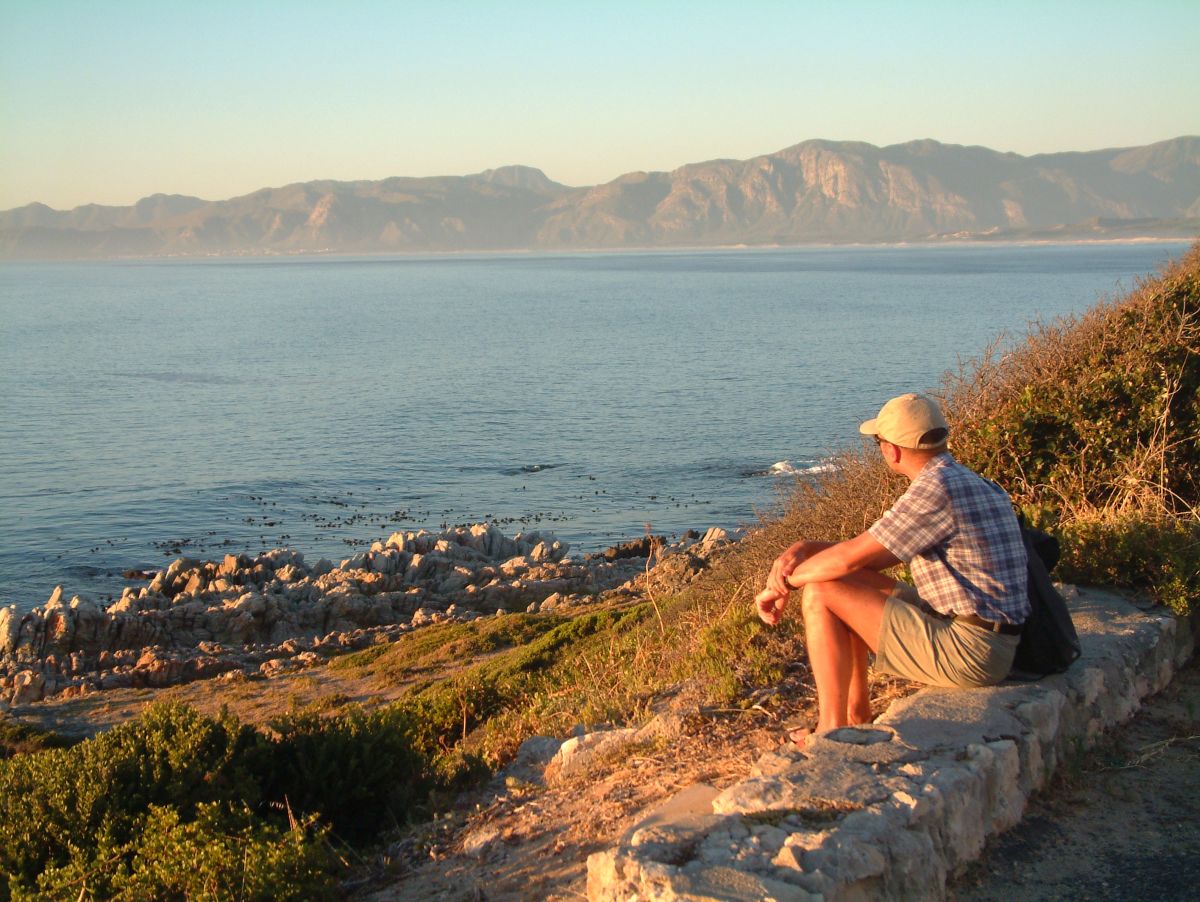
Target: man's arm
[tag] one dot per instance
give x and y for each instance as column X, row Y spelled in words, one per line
column 820, row 561
column 861, row 552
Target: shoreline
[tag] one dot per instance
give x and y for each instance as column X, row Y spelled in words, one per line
column 251, row 617
column 970, row 241
column 53, row 540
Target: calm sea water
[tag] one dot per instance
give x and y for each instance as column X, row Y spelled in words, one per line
column 158, row 408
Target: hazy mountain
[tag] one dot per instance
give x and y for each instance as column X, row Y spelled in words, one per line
column 817, row 191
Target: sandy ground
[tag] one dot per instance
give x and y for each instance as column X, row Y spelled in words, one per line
column 253, row 701
column 1120, row 823
column 541, row 838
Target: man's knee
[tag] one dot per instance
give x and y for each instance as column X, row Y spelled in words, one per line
column 814, row 597
column 835, row 594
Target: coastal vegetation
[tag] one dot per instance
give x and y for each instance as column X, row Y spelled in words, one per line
column 1093, row 425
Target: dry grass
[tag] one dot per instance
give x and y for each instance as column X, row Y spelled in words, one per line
column 1093, row 426
column 1094, row 415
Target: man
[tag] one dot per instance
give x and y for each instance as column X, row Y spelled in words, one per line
column 961, row 623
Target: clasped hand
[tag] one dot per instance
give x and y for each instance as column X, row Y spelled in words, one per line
column 770, row 602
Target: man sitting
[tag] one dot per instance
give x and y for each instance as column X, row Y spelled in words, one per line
column 961, row 623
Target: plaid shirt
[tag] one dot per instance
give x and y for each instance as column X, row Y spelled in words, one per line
column 961, row 538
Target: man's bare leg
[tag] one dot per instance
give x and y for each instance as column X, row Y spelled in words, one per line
column 858, row 704
column 842, row 619
column 829, row 649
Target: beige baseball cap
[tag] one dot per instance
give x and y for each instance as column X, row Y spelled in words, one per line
column 903, row 420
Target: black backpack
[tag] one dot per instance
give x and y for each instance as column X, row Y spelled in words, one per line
column 1049, row 642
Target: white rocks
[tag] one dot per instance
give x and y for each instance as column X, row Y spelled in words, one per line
column 251, row 603
column 714, row 538
column 411, row 580
column 28, row 686
column 423, row 617
column 477, row 842
column 536, row 751
column 357, row 562
column 578, row 753
column 10, row 625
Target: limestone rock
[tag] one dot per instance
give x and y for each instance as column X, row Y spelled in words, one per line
column 29, row 686
column 411, row 580
column 10, row 627
column 578, row 753
column 477, row 842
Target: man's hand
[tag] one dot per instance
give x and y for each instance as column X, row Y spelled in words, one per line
column 770, row 605
column 789, row 561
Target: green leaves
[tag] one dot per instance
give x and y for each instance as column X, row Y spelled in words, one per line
column 225, row 852
column 1093, row 425
column 174, row 797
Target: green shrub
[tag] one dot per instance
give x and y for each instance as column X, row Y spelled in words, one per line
column 1096, row 413
column 1093, row 425
column 224, row 852
column 358, row 771
column 118, row 813
column 21, row 739
column 64, row 803
column 1160, row 556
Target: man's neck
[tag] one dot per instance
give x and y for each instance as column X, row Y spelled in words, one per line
column 913, row 461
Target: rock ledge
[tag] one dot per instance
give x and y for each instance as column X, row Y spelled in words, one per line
column 892, row 810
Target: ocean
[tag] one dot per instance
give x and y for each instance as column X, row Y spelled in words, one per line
column 153, row 409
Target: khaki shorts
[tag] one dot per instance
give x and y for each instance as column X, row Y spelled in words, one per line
column 939, row 651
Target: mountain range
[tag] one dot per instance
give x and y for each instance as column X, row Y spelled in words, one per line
column 814, row 192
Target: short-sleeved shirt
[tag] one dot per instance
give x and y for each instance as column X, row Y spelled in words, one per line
column 962, row 541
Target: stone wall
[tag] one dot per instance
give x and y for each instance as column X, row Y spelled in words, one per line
column 892, row 810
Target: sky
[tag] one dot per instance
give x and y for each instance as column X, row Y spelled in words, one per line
column 108, row 102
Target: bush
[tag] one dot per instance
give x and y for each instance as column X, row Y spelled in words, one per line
column 64, row 804
column 1098, row 413
column 1093, row 425
column 1160, row 556
column 224, row 852
column 21, row 739
column 359, row 771
column 120, row 812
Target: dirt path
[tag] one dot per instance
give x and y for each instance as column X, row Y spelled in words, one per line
column 253, row 701
column 1121, row 823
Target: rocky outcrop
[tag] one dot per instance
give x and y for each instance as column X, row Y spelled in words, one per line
column 274, row 612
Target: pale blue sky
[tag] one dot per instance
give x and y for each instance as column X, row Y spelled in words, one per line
column 108, row 102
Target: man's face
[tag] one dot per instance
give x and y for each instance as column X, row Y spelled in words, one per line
column 890, row 452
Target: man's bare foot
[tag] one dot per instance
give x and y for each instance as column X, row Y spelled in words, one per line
column 799, row 735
